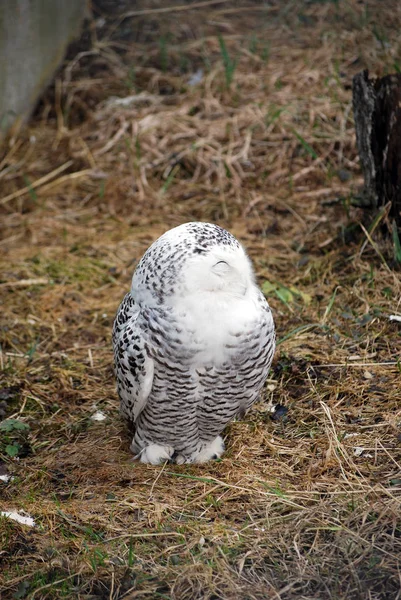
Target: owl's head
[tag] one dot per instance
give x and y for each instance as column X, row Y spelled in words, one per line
column 193, row 258
column 220, row 269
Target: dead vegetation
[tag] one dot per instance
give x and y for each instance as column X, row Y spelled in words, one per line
column 238, row 113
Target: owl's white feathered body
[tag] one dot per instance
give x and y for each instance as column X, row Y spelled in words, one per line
column 193, row 344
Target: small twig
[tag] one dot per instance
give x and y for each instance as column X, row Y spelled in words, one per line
column 37, row 183
column 90, row 357
column 157, row 479
column 53, row 583
column 7, row 157
column 383, row 213
column 214, row 480
column 323, row 191
column 112, row 585
column 313, row 166
column 341, row 449
column 25, row 282
column 146, row 535
column 375, row 248
column 167, row 9
column 113, row 140
column 207, row 493
column 390, row 456
column 346, row 364
column 65, row 178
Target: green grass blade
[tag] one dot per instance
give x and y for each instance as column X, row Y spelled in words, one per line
column 228, row 62
column 305, row 144
column 330, row 305
column 293, row 332
column 397, row 244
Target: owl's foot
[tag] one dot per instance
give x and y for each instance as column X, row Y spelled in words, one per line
column 210, row 451
column 154, row 454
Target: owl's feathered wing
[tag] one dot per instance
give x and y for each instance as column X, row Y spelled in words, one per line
column 134, row 368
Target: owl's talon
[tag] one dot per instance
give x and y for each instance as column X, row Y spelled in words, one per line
column 173, row 457
column 211, row 451
column 155, row 454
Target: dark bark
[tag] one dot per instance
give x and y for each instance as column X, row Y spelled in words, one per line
column 377, row 112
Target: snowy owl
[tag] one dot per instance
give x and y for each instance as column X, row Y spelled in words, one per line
column 193, row 343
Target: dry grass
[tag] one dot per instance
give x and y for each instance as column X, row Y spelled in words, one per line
column 300, row 507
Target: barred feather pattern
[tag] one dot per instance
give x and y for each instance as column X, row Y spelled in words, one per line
column 193, row 344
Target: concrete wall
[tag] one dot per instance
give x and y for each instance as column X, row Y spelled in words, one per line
column 34, row 35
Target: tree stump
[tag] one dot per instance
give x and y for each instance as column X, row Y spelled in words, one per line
column 377, row 114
